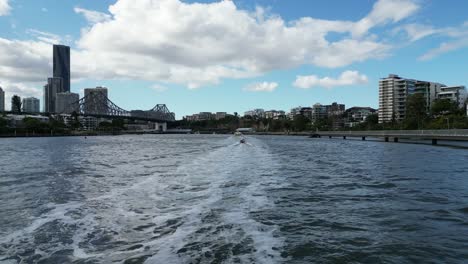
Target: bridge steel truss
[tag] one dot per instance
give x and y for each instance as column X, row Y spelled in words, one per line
column 98, row 105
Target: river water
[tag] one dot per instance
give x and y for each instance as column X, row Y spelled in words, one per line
column 208, row 199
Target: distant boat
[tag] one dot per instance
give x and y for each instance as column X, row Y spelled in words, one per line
column 237, row 134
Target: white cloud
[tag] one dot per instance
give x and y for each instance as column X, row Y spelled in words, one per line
column 22, row 90
column 197, row 44
column 346, row 78
column 92, row 16
column 444, row 48
column 262, row 87
column 45, row 36
column 454, row 38
column 383, row 12
column 44, row 9
column 5, row 7
column 417, row 31
column 25, row 61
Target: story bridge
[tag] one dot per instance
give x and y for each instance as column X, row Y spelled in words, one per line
column 98, row 105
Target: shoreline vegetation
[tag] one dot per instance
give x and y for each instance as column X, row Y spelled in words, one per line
column 443, row 114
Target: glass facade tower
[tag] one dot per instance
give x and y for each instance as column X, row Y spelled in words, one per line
column 62, row 65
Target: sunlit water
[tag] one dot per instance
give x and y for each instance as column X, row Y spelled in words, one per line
column 208, row 199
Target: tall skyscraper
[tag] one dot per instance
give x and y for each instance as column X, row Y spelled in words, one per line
column 96, row 101
column 2, row 100
column 53, row 86
column 65, row 103
column 31, row 105
column 62, row 65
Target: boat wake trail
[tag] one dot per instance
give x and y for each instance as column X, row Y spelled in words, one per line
column 230, row 185
column 205, row 209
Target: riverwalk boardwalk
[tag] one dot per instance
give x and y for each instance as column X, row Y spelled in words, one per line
column 396, row 135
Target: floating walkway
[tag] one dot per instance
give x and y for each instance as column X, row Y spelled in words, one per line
column 396, row 135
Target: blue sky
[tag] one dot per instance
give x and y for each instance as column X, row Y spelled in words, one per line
column 234, row 55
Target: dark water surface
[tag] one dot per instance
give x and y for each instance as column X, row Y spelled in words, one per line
column 206, row 199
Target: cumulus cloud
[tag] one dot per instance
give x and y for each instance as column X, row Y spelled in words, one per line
column 197, row 44
column 92, row 16
column 346, row 78
column 24, row 61
column 20, row 89
column 262, row 87
column 5, row 7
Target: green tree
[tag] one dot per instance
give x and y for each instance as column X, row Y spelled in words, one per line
column 16, row 104
column 75, row 123
column 415, row 111
column 300, row 123
column 3, row 125
column 443, row 107
column 372, row 119
column 118, row 124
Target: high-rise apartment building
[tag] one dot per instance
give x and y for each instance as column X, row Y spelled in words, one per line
column 61, row 65
column 394, row 91
column 2, row 100
column 31, row 105
column 457, row 94
column 67, row 103
column 319, row 111
column 96, row 101
column 53, row 86
column 429, row 90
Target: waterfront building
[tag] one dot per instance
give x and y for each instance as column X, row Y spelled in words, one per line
column 16, row 121
column 294, row 112
column 61, row 65
column 319, row 112
column 335, row 109
column 53, row 86
column 429, row 90
column 456, row 94
column 2, row 100
column 306, row 112
column 191, row 118
column 31, row 105
column 273, row 114
column 255, row 113
column 356, row 115
column 88, row 122
column 221, row 115
column 66, row 103
column 202, row 116
column 96, row 101
column 393, row 91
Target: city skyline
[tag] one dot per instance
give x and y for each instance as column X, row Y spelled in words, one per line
column 296, row 54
